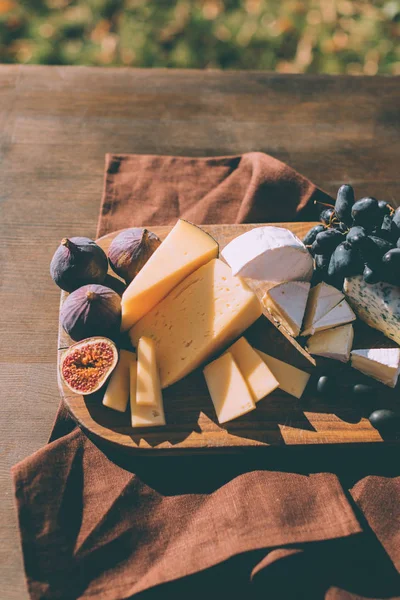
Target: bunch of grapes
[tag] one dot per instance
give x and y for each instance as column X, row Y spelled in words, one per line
column 356, row 238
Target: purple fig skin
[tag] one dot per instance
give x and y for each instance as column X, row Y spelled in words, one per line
column 91, row 311
column 130, row 251
column 78, row 261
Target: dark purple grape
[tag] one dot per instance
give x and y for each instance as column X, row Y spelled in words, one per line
column 387, row 231
column 341, row 227
column 370, row 276
column 327, row 215
column 391, row 266
column 344, row 203
column 373, row 249
column 396, row 218
column 326, row 241
column 384, row 207
column 345, row 262
column 326, row 386
column 310, row 236
column 365, row 212
column 356, row 236
column 322, row 262
column 361, row 390
column 386, row 421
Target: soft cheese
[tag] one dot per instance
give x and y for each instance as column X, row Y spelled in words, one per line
column 228, row 389
column 321, row 299
column 116, row 395
column 184, row 250
column 148, row 389
column 291, row 379
column 378, row 305
column 287, row 303
column 332, row 343
column 205, row 312
column 340, row 315
column 268, row 253
column 257, row 375
column 382, row 364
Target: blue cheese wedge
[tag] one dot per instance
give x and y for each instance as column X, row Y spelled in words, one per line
column 382, row 364
column 332, row 343
column 286, row 302
column 340, row 315
column 321, row 299
column 378, row 305
column 271, row 254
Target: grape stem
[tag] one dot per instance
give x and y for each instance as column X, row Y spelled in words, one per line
column 323, row 204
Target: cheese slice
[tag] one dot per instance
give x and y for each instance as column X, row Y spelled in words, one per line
column 205, row 312
column 291, row 379
column 287, row 303
column 332, row 343
column 184, row 250
column 382, row 364
column 117, row 393
column 268, row 253
column 339, row 315
column 148, row 390
column 257, row 375
column 321, row 299
column 143, row 415
column 228, row 389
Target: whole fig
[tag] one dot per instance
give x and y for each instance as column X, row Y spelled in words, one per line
column 78, row 261
column 91, row 310
column 130, row 251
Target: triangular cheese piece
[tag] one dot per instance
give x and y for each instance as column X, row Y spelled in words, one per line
column 332, row 343
column 321, row 299
column 291, row 379
column 382, row 364
column 287, row 303
column 339, row 315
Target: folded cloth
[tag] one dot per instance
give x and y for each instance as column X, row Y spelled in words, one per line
column 96, row 522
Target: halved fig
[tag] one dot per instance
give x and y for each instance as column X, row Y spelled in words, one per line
column 86, row 366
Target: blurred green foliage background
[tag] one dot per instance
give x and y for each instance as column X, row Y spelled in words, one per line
column 291, row 36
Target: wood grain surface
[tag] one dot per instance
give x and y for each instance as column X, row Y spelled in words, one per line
column 191, row 421
column 57, row 123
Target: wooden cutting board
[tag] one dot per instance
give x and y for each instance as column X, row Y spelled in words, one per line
column 278, row 419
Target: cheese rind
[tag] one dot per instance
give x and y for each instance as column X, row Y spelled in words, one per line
column 291, row 380
column 184, row 250
column 257, row 375
column 268, row 253
column 148, row 389
column 376, row 304
column 286, row 302
column 321, row 300
column 382, row 364
column 116, row 395
column 339, row 315
column 205, row 312
column 228, row 389
column 333, row 343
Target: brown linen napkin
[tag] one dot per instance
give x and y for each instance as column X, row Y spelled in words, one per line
column 96, row 522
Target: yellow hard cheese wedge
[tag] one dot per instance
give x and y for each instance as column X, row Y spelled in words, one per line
column 117, row 393
column 184, row 250
column 291, row 380
column 144, row 387
column 205, row 312
column 228, row 389
column 257, row 375
column 148, row 390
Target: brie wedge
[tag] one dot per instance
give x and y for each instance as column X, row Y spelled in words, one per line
column 272, row 254
column 287, row 302
column 321, row 299
column 340, row 315
column 382, row 364
column 332, row 343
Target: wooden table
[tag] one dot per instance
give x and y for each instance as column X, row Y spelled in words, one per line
column 57, row 123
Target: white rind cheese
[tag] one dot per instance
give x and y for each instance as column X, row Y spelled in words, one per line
column 286, row 302
column 378, row 305
column 272, row 254
column 382, row 364
column 321, row 299
column 332, row 343
column 291, row 380
column 340, row 315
